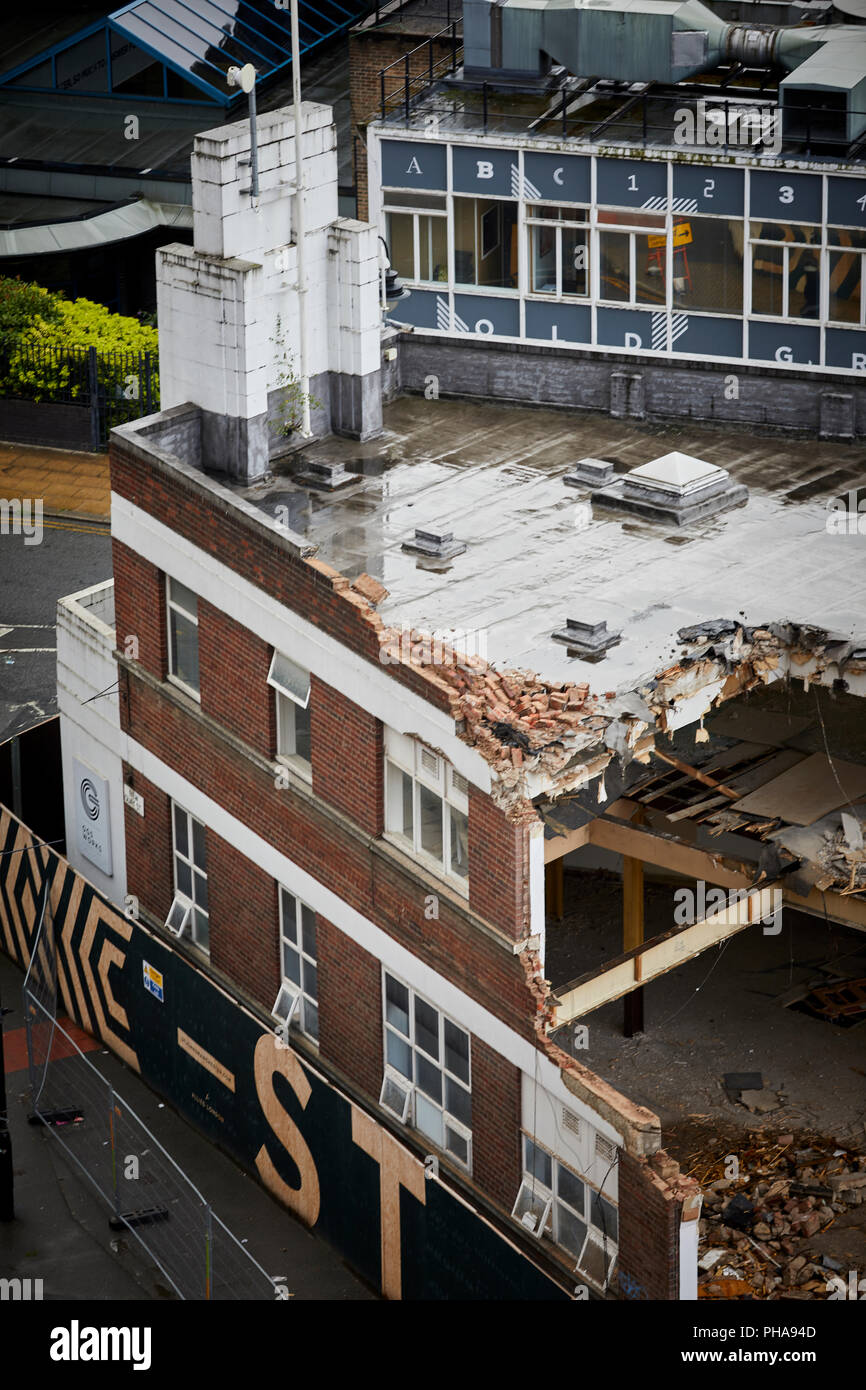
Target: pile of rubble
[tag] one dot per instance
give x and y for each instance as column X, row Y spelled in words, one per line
column 756, row 1229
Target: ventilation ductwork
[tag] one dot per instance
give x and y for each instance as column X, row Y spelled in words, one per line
column 659, row 41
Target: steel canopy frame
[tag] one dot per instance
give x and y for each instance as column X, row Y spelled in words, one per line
column 179, row 34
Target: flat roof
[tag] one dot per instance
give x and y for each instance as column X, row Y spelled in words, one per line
column 539, row 552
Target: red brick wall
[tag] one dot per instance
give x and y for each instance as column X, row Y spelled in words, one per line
column 233, row 674
column 149, row 868
column 347, row 755
column 350, row 1008
column 496, row 1166
column 498, row 867
column 244, row 921
column 139, row 607
column 383, row 891
column 649, row 1225
column 369, row 53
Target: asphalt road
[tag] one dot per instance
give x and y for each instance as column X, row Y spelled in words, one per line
column 69, row 557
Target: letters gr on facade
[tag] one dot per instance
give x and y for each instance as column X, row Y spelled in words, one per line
column 666, row 258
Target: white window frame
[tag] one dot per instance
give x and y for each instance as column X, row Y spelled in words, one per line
column 559, row 224
column 296, row 999
column 833, row 249
column 292, row 700
column 787, row 247
column 416, row 278
column 632, row 232
column 172, row 605
column 182, row 899
column 536, row 1193
column 413, row 759
column 393, row 1073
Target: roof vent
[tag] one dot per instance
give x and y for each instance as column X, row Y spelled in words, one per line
column 435, row 545
column 587, row 639
column 325, row 477
column 675, row 488
column 590, row 473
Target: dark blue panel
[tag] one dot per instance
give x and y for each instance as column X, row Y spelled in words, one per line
column 413, row 164
column 563, row 323
column 476, row 313
column 784, row 342
column 703, row 336
column 482, row 171
column 557, row 178
column 846, row 202
column 845, row 348
column 632, row 328
column 424, row 309
column 702, row 188
column 631, row 183
column 782, row 197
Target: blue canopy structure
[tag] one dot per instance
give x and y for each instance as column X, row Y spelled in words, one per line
column 180, row 50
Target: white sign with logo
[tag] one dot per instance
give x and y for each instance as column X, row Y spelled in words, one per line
column 92, row 822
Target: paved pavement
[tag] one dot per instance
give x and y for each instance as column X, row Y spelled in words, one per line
column 69, row 484
column 61, row 1231
column 69, row 557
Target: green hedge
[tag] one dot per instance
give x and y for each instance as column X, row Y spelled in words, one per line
column 38, row 329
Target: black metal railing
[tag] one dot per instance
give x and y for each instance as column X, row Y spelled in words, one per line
column 115, row 386
column 418, row 76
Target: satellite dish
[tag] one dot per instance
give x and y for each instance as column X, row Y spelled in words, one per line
column 853, row 7
column 244, row 77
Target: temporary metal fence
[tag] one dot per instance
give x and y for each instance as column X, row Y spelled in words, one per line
column 113, row 387
column 146, row 1191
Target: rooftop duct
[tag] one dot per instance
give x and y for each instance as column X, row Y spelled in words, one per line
column 667, row 41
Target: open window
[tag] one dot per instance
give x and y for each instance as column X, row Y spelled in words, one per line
column 291, row 684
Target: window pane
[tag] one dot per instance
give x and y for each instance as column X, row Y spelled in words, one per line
column 542, row 257
column 459, row 842
column 183, row 877
column 397, row 1004
column 408, row 198
column 183, row 597
column 308, row 927
column 289, row 678
column 768, row 264
column 804, row 284
column 537, row 1163
column 400, row 817
column 594, row 1261
column 485, row 242
column 181, row 839
column 398, row 1053
column 289, row 910
column 311, row 976
column 287, row 711
column 614, row 265
column 433, row 248
column 575, row 261
column 651, row 266
column 458, row 1102
column 302, row 733
column 784, row 231
column 570, row 1189
column 845, row 274
column 838, row 236
column 456, row 1144
column 431, row 821
column 198, row 846
column 184, row 649
column 291, row 964
column 708, row 269
column 201, row 930
column 556, row 214
column 570, row 1233
column 457, row 1051
column 427, row 1028
column 603, row 1215
column 311, row 1019
column 428, row 1078
column 401, row 244
column 199, row 891
column 428, row 1119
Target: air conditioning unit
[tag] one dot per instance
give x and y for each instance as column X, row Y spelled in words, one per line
column 570, row 1122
